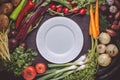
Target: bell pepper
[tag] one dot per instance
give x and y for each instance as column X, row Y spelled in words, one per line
column 29, row 5
column 17, row 10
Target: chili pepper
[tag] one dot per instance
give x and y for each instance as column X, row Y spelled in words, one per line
column 17, row 10
column 27, row 7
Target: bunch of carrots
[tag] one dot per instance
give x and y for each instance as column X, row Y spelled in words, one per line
column 94, row 30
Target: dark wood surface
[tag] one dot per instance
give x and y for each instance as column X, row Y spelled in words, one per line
column 83, row 22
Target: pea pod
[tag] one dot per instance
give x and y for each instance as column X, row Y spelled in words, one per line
column 17, row 10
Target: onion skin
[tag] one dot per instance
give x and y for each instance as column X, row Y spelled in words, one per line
column 112, row 50
column 104, row 60
column 111, row 32
column 104, row 38
column 13, row 43
column 101, row 48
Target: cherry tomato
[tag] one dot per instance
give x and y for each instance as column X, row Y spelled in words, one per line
column 40, row 68
column 59, row 9
column 82, row 11
column 66, row 10
column 53, row 7
column 29, row 73
column 76, row 11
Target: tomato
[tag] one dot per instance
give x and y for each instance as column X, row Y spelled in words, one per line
column 59, row 9
column 66, row 10
column 29, row 73
column 40, row 68
column 82, row 11
column 53, row 7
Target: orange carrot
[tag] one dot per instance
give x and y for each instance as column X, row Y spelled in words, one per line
column 93, row 27
column 97, row 17
column 90, row 28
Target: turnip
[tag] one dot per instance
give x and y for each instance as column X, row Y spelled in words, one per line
column 104, row 60
column 104, row 38
column 101, row 48
column 112, row 50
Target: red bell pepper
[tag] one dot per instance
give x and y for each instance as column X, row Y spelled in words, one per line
column 27, row 7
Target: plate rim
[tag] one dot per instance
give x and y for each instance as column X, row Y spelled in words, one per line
column 44, row 51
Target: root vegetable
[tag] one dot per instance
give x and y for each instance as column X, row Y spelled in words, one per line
column 101, row 48
column 115, row 27
column 13, row 43
column 4, row 21
column 112, row 50
column 117, row 15
column 104, row 60
column 6, row 8
column 110, row 2
column 104, row 38
column 111, row 32
column 113, row 9
column 115, row 22
column 12, row 33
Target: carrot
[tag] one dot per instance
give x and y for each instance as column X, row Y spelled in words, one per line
column 97, row 17
column 90, row 30
column 93, row 26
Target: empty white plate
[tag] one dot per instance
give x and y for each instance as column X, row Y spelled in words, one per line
column 59, row 40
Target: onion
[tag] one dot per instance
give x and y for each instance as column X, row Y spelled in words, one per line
column 13, row 43
column 104, row 60
column 104, row 38
column 12, row 33
column 112, row 50
column 101, row 48
column 23, row 44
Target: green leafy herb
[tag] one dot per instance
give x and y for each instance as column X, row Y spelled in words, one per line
column 20, row 59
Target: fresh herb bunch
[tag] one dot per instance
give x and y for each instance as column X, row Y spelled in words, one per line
column 20, row 59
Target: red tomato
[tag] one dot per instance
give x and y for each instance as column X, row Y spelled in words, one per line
column 53, row 7
column 40, row 68
column 59, row 9
column 29, row 73
column 66, row 10
column 82, row 11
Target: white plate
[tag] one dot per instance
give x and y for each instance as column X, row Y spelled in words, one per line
column 59, row 40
